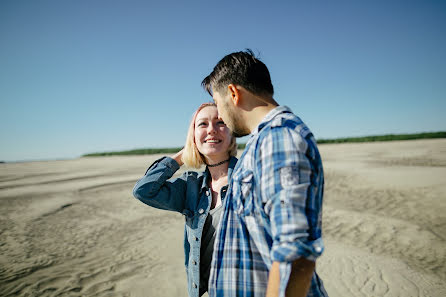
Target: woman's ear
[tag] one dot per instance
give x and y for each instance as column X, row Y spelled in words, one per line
column 234, row 94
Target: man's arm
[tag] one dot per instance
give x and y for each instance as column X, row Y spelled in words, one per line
column 299, row 281
column 289, row 193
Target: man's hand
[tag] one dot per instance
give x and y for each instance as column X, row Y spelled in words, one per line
column 298, row 283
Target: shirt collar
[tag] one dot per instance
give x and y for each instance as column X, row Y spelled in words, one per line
column 269, row 116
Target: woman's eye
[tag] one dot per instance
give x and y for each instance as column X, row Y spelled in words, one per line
column 221, row 123
column 201, row 124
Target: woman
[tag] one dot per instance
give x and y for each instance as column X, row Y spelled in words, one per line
column 197, row 195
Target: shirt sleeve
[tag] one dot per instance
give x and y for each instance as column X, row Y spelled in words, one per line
column 156, row 190
column 288, row 187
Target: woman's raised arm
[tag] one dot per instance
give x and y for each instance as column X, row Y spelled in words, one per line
column 155, row 189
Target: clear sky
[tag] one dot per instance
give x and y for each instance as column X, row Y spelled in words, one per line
column 84, row 76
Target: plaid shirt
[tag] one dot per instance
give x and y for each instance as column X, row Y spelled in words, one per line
column 272, row 210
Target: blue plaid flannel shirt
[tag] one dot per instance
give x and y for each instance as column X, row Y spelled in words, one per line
column 272, row 210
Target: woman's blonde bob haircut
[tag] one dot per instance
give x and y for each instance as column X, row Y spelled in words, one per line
column 191, row 156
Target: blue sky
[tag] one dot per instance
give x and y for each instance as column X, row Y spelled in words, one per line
column 87, row 76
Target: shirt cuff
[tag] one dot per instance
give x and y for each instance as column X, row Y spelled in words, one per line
column 286, row 253
column 290, row 251
column 284, row 272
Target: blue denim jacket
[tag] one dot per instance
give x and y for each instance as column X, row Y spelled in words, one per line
column 189, row 194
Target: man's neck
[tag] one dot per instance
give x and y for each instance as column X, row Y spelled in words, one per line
column 257, row 114
column 254, row 108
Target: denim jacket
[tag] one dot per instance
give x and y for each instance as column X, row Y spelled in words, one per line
column 188, row 194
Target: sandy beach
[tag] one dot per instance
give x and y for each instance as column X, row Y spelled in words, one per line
column 73, row 228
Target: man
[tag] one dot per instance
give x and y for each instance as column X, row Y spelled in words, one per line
column 270, row 231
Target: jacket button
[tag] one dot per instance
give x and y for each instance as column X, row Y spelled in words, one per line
column 194, row 285
column 196, row 238
column 201, row 211
column 194, row 262
column 207, row 192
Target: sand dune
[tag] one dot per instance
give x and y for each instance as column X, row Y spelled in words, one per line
column 72, row 228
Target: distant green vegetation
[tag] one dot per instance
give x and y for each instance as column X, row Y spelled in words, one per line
column 147, row 151
column 388, row 137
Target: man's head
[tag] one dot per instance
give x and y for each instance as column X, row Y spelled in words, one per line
column 237, row 74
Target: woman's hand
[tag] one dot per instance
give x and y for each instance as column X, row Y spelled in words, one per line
column 177, row 157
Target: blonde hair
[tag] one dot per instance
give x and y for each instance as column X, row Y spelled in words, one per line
column 191, row 156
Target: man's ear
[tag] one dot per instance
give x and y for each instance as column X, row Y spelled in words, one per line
column 235, row 94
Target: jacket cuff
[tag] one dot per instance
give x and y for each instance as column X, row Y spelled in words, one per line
column 166, row 161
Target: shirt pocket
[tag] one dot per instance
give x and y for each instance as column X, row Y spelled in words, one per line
column 243, row 193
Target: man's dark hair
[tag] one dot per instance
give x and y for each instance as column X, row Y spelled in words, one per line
column 243, row 69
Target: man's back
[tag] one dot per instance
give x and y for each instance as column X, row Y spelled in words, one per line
column 272, row 210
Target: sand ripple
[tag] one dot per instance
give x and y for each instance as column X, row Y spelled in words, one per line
column 72, row 228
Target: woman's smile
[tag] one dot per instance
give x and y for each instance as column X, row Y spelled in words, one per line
column 212, row 137
column 212, row 140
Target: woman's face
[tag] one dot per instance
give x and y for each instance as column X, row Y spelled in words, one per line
column 212, row 137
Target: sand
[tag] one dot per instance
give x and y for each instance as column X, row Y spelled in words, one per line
column 72, row 228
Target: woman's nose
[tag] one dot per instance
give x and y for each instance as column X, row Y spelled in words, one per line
column 212, row 129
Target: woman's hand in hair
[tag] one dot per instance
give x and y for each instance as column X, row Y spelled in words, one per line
column 177, row 157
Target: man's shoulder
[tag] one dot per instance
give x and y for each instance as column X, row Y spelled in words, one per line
column 284, row 119
column 288, row 124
